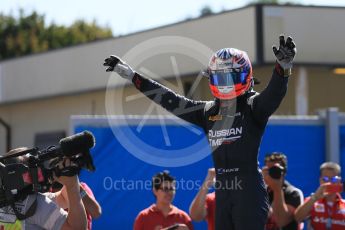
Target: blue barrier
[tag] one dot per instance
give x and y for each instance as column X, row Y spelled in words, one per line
column 121, row 182
column 304, row 146
column 342, row 149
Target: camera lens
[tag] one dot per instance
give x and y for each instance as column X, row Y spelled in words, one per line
column 276, row 171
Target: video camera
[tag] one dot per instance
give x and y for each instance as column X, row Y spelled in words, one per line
column 35, row 173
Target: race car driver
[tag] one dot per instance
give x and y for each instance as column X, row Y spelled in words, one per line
column 234, row 123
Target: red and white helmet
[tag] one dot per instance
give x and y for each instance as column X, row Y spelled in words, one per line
column 230, row 73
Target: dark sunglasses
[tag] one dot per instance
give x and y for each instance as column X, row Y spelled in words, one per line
column 335, row 179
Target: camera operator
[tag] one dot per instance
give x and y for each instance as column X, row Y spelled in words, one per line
column 284, row 198
column 42, row 212
column 325, row 208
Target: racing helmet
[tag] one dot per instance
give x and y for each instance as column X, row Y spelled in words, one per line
column 230, row 73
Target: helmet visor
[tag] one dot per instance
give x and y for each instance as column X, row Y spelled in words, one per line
column 221, row 78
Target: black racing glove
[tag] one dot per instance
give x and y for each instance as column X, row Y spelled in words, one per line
column 285, row 53
column 116, row 65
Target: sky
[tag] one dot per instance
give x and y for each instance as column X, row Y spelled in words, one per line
column 129, row 16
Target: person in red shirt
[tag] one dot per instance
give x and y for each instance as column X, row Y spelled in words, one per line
column 325, row 208
column 204, row 204
column 163, row 215
column 92, row 207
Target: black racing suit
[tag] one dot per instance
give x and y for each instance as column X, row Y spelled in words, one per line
column 241, row 196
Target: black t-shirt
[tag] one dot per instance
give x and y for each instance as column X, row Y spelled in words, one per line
column 294, row 197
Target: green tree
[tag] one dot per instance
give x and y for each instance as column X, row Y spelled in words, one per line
column 266, row 1
column 206, row 11
column 29, row 34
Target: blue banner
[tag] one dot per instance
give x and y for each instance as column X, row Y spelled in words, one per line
column 122, row 182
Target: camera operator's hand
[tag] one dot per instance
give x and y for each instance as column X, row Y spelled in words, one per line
column 64, row 177
column 115, row 64
column 273, row 184
column 285, row 53
column 64, row 167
